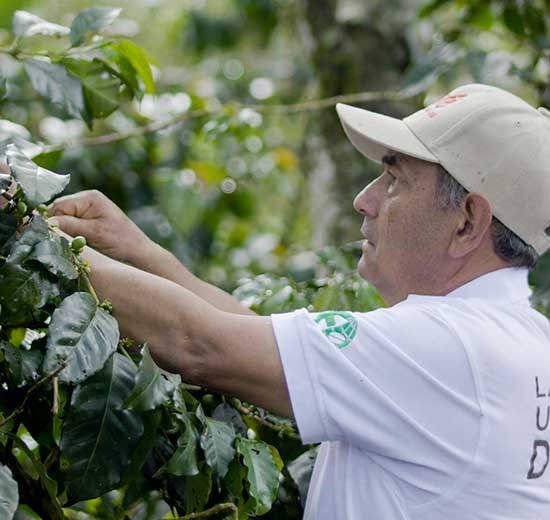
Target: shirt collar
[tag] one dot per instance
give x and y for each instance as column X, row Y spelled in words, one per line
column 507, row 284
column 503, row 285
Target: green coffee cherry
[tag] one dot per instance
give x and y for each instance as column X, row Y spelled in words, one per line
column 21, row 208
column 78, row 244
column 43, row 210
column 209, row 401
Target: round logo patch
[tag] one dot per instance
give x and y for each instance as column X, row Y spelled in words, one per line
column 339, row 327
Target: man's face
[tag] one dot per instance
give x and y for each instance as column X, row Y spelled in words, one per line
column 408, row 233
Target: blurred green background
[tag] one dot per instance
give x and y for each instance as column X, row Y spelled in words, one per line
column 262, row 180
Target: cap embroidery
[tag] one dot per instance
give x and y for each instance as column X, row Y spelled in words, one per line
column 433, row 109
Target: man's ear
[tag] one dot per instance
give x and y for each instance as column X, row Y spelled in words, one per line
column 473, row 220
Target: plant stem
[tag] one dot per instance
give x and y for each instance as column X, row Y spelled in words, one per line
column 155, row 126
column 21, row 408
column 227, row 506
column 282, row 429
column 125, row 352
column 89, row 286
column 55, row 405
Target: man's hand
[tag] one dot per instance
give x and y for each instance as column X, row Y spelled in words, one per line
column 105, row 226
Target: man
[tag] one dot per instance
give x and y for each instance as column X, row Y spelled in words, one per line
column 436, row 408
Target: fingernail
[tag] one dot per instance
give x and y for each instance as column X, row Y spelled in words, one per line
column 53, row 221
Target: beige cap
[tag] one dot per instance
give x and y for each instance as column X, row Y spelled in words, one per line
column 489, row 140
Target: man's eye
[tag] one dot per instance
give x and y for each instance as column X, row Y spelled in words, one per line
column 393, row 179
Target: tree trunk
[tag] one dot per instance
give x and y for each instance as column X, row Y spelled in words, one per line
column 356, row 46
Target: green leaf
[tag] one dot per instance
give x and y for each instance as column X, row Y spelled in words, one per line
column 82, row 335
column 234, row 479
column 56, row 256
column 153, row 385
column 539, row 278
column 129, row 75
column 513, row 20
column 10, row 129
column 48, row 484
column 479, row 15
column 535, row 21
column 46, row 160
column 55, row 84
column 139, row 61
column 38, row 184
column 151, row 422
column 197, row 490
column 35, row 231
column 100, row 88
column 22, row 293
column 234, row 482
column 9, row 493
column 228, row 414
column 101, row 95
column 26, row 24
column 427, row 9
column 8, row 228
column 184, row 461
column 217, row 441
column 12, row 133
column 301, row 469
column 23, row 364
column 476, row 59
column 100, row 436
column 262, row 475
column 90, row 21
column 430, row 67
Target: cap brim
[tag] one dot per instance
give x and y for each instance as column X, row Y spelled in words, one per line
column 374, row 135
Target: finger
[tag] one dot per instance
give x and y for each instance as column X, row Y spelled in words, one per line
column 71, row 225
column 76, row 205
column 58, row 231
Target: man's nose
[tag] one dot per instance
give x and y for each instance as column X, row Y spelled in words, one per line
column 366, row 202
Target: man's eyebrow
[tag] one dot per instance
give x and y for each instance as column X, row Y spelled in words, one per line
column 390, row 159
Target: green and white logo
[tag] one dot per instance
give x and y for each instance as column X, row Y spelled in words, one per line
column 339, row 327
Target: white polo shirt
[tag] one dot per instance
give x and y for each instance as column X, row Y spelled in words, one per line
column 437, row 408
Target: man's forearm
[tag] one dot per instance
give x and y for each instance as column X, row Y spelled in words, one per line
column 151, row 309
column 229, row 353
column 160, row 262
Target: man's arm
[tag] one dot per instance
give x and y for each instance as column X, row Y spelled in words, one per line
column 108, row 230
column 160, row 262
column 230, row 353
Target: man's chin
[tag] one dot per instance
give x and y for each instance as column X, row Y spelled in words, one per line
column 364, row 269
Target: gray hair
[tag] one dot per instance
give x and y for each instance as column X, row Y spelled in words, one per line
column 507, row 245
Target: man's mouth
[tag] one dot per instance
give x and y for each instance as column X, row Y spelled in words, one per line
column 363, row 232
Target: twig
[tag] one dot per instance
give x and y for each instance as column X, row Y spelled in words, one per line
column 282, row 429
column 192, row 388
column 125, row 352
column 155, row 126
column 55, row 405
column 89, row 286
column 21, row 408
column 227, row 506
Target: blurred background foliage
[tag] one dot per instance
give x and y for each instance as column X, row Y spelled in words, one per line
column 237, row 162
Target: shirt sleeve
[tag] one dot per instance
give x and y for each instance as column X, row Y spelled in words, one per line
column 396, row 382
